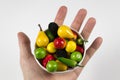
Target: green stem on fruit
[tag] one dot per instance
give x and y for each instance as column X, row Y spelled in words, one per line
column 85, row 41
column 80, row 65
column 40, row 27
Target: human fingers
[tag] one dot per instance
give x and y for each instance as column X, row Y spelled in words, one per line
column 92, row 49
column 24, row 45
column 59, row 19
column 88, row 28
column 89, row 53
column 77, row 22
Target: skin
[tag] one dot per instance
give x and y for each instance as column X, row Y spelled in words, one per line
column 32, row 71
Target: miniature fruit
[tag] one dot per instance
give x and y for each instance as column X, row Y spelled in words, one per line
column 65, row 32
column 51, row 66
column 71, row 46
column 40, row 53
column 51, row 48
column 68, row 62
column 46, row 59
column 80, row 41
column 50, row 35
column 77, row 56
column 61, row 53
column 59, row 48
column 53, row 27
column 59, row 43
column 42, row 39
column 80, row 49
column 61, row 66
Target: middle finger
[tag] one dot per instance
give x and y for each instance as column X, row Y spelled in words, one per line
column 88, row 28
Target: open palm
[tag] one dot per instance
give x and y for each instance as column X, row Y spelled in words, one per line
column 32, row 71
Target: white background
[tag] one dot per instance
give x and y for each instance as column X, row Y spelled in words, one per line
column 24, row 15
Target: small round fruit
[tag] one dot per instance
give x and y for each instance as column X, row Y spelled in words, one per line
column 59, row 43
column 77, row 56
column 51, row 48
column 47, row 59
column 71, row 46
column 61, row 53
column 40, row 53
column 80, row 49
column 51, row 66
column 80, row 41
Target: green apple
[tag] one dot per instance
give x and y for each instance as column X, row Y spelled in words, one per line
column 77, row 56
column 52, row 66
column 40, row 53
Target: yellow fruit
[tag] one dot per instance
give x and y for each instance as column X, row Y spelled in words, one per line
column 71, row 46
column 61, row 66
column 42, row 39
column 51, row 48
column 65, row 32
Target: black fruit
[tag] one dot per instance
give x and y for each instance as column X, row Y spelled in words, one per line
column 61, row 53
column 53, row 27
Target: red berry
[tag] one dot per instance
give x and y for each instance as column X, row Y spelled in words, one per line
column 46, row 59
column 59, row 43
column 80, row 49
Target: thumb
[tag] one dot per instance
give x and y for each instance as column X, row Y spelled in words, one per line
column 24, row 45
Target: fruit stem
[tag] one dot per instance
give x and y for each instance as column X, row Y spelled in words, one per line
column 85, row 41
column 80, row 65
column 40, row 27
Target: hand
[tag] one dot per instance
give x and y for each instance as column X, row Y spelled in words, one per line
column 32, row 71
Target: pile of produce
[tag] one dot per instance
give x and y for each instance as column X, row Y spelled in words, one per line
column 59, row 48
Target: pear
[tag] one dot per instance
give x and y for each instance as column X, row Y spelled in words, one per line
column 65, row 32
column 42, row 39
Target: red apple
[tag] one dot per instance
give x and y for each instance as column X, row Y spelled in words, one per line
column 59, row 43
column 80, row 49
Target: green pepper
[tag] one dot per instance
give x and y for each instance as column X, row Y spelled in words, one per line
column 68, row 62
column 49, row 35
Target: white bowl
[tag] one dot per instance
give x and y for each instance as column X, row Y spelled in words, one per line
column 71, row 69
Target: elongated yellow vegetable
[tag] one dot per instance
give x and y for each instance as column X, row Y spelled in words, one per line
column 61, row 66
